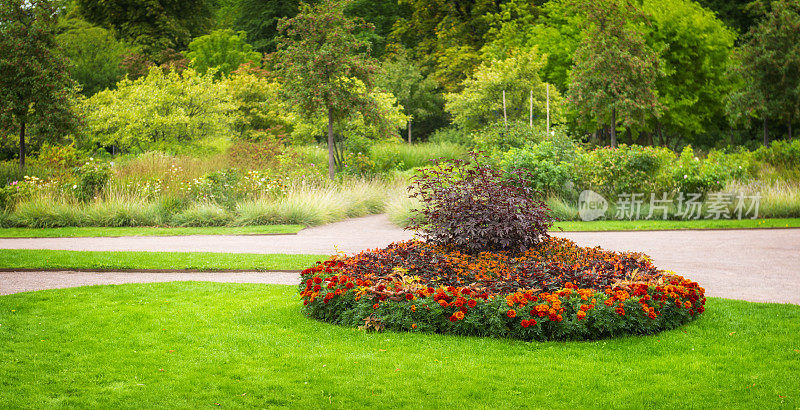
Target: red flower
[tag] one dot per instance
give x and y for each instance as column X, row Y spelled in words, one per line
column 409, row 296
column 317, row 279
column 349, row 285
column 511, row 313
column 375, row 306
column 525, row 323
column 472, row 303
column 317, row 288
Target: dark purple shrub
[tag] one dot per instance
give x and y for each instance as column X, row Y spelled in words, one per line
column 474, row 208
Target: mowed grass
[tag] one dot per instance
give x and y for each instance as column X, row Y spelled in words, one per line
column 37, row 259
column 659, row 225
column 190, row 345
column 77, row 232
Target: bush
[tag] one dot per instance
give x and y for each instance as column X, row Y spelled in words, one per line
column 496, row 138
column 550, row 164
column 452, row 135
column 557, row 291
column 474, row 208
column 627, row 169
column 784, row 155
column 92, row 176
column 693, row 175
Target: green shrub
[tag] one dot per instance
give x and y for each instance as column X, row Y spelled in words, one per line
column 784, row 155
column 550, row 163
column 92, row 177
column 693, row 175
column 627, row 169
column 496, row 138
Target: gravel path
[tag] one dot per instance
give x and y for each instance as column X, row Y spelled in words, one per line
column 758, row 265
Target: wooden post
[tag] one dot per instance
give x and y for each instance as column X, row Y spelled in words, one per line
column 409, row 130
column 530, row 111
column 766, row 135
column 547, row 85
column 613, row 128
column 505, row 118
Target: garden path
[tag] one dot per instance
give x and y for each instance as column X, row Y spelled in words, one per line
column 758, row 265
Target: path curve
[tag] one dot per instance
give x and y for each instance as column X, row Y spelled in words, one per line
column 756, row 265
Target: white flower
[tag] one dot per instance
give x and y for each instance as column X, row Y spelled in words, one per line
column 75, row 186
column 685, row 176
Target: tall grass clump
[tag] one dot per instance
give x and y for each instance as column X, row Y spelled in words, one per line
column 45, row 212
column 202, row 214
column 121, row 211
column 779, row 199
column 400, row 209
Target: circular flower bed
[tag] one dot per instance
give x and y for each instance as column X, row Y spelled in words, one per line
column 554, row 291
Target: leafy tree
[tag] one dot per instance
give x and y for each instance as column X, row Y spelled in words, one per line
column 155, row 25
column 326, row 67
column 380, row 13
column 445, row 36
column 259, row 108
column 696, row 50
column 259, row 19
column 417, row 94
column 95, row 53
column 159, row 111
column 35, row 87
column 223, row 50
column 481, row 100
column 735, row 13
column 614, row 69
column 768, row 69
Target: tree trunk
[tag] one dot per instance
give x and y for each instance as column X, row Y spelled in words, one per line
column 22, row 145
column 331, row 146
column 613, row 128
column 766, row 135
column 409, row 130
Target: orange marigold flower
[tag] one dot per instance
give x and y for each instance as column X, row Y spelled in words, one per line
column 442, row 303
column 452, row 319
column 524, row 323
column 413, row 325
column 559, row 318
column 609, row 302
column 459, row 315
column 581, row 315
column 687, row 304
column 413, row 308
column 511, row 313
column 375, row 306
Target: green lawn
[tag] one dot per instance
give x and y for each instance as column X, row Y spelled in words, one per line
column 78, row 260
column 147, row 231
column 656, row 225
column 192, row 345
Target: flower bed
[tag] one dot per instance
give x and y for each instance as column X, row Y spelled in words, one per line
column 555, row 291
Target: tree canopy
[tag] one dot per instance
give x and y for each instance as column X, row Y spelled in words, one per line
column 35, row 86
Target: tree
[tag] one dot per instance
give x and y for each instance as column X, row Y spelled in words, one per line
column 155, row 25
column 768, row 69
column 445, row 36
column 416, row 93
column 35, row 87
column 165, row 111
column 481, row 100
column 696, row 51
column 95, row 54
column 259, row 19
column 614, row 70
column 326, row 68
column 223, row 50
